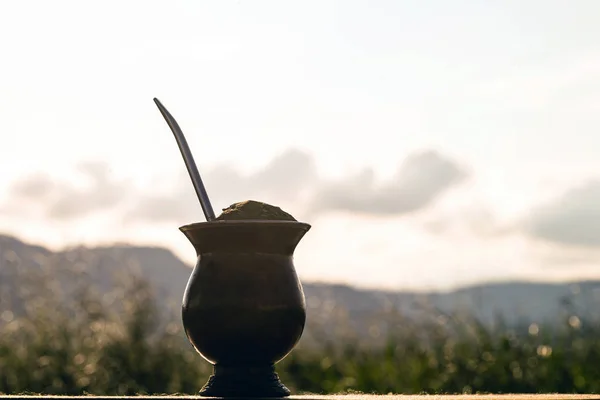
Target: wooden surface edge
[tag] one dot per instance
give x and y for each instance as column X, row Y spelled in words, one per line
column 554, row 396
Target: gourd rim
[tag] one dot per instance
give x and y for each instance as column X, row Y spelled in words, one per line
column 241, row 223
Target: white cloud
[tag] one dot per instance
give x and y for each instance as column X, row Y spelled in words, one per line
column 572, row 219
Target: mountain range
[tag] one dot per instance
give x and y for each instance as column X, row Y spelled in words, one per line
column 97, row 267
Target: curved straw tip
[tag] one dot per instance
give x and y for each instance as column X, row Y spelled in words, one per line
column 163, row 110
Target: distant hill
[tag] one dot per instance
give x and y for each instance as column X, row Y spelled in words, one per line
column 99, row 267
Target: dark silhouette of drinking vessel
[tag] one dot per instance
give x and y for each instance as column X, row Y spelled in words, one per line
column 244, row 308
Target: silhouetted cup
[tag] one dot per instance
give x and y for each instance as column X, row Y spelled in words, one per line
column 244, row 308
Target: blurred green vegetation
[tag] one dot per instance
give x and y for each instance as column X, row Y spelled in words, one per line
column 79, row 346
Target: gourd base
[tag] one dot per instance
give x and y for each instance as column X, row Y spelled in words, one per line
column 244, row 381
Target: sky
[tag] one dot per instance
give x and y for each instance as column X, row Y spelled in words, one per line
column 430, row 144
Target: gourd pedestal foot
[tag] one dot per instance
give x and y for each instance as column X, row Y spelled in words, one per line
column 245, row 381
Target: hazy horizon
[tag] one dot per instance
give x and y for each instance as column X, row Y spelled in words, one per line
column 356, row 285
column 429, row 144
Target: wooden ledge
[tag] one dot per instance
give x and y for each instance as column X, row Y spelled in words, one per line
column 333, row 397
